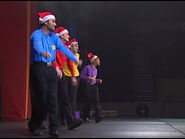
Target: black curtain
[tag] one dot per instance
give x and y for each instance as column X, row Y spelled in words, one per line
column 115, row 30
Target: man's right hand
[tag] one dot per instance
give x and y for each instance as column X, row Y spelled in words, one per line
column 46, row 54
column 92, row 79
column 59, row 72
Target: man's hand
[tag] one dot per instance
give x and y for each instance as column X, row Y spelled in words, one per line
column 59, row 72
column 77, row 62
column 100, row 81
column 92, row 79
column 74, row 81
column 80, row 62
column 46, row 54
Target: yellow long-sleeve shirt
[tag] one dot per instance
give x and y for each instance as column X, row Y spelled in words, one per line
column 67, row 71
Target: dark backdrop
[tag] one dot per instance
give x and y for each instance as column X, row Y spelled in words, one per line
column 119, row 32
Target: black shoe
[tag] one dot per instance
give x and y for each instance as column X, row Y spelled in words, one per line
column 36, row 132
column 74, row 124
column 63, row 123
column 87, row 120
column 43, row 126
column 54, row 133
column 98, row 119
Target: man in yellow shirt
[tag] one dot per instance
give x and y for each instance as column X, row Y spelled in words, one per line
column 72, row 75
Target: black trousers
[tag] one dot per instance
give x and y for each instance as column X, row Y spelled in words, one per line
column 72, row 92
column 65, row 109
column 91, row 99
column 43, row 87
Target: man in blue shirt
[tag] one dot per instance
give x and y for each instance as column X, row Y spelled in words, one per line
column 43, row 76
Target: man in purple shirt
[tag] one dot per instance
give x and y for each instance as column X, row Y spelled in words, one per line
column 88, row 75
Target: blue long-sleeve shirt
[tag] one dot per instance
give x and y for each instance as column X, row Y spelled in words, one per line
column 89, row 71
column 40, row 42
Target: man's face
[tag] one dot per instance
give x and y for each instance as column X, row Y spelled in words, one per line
column 51, row 24
column 97, row 61
column 75, row 48
column 65, row 37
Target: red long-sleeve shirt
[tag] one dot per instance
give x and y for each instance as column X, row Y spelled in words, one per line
column 61, row 59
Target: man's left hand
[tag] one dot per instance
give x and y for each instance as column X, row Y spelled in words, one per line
column 74, row 81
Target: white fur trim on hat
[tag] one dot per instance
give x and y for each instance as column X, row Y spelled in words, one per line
column 48, row 17
column 73, row 43
column 93, row 58
column 62, row 32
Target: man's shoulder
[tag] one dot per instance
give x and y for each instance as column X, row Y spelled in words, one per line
column 66, row 45
column 36, row 32
column 87, row 66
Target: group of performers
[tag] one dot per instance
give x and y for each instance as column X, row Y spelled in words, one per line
column 54, row 79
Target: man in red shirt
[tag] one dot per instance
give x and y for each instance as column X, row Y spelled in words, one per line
column 65, row 109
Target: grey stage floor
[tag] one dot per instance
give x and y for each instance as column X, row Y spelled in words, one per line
column 108, row 128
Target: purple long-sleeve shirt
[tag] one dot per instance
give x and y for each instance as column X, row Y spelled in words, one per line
column 87, row 72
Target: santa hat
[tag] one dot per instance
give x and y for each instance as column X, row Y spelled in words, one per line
column 60, row 31
column 91, row 57
column 45, row 16
column 72, row 42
